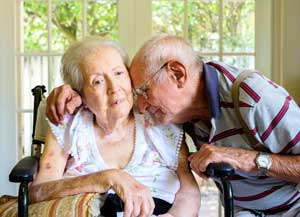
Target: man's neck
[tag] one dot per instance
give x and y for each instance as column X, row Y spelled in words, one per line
column 198, row 107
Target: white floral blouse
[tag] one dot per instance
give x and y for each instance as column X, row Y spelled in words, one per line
column 154, row 160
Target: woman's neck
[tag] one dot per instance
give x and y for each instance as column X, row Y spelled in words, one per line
column 113, row 129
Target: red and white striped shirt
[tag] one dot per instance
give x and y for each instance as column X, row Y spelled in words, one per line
column 274, row 119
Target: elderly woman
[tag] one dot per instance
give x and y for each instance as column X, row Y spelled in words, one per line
column 107, row 147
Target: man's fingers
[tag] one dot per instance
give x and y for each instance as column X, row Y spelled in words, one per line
column 203, row 176
column 74, row 103
column 52, row 115
column 60, row 104
column 190, row 158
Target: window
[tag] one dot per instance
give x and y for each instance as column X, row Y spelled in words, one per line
column 47, row 28
column 218, row 29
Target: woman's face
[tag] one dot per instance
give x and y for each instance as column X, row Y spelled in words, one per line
column 107, row 88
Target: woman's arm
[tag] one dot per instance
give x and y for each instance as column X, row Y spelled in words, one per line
column 187, row 199
column 49, row 182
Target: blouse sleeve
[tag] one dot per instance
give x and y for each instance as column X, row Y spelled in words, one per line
column 61, row 132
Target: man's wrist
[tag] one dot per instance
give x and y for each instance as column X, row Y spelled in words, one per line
column 263, row 162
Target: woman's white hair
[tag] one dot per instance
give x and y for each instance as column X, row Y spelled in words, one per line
column 164, row 47
column 72, row 58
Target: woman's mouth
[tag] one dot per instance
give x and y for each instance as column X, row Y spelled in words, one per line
column 117, row 102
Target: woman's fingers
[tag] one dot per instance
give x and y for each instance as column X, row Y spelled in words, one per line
column 139, row 203
column 128, row 210
column 147, row 207
column 136, row 197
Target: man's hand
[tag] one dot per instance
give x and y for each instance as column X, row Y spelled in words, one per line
column 241, row 159
column 61, row 100
column 137, row 198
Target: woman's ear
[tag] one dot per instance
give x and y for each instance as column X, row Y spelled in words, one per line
column 177, row 72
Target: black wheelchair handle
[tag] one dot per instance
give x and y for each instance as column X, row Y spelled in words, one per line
column 219, row 170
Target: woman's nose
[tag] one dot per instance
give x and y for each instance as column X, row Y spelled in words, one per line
column 142, row 104
column 114, row 90
column 113, row 87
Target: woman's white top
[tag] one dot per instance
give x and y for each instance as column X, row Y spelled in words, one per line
column 154, row 160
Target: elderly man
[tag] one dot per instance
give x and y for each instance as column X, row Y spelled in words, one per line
column 174, row 85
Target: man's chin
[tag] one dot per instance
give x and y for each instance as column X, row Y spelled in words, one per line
column 162, row 119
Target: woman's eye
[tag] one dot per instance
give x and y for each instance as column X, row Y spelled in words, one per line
column 97, row 82
column 119, row 73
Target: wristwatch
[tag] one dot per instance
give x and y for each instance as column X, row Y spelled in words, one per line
column 263, row 162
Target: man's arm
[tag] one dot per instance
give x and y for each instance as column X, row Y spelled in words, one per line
column 187, row 199
column 285, row 167
column 62, row 99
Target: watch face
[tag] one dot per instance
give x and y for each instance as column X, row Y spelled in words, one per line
column 263, row 161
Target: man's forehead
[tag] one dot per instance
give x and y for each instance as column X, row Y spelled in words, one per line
column 137, row 74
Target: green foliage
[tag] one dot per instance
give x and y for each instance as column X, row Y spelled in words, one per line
column 67, row 22
column 204, row 30
column 203, row 21
column 35, row 26
column 167, row 17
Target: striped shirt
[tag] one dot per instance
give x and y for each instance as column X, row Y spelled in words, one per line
column 272, row 116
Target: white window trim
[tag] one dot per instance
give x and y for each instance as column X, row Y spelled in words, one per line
column 263, row 36
column 135, row 21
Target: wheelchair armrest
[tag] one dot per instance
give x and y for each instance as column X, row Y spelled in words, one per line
column 24, row 170
column 219, row 170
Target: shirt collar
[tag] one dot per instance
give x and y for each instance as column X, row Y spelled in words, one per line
column 210, row 76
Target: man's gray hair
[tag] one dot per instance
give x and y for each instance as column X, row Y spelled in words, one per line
column 164, row 47
column 72, row 58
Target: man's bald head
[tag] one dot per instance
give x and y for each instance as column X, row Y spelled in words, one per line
column 161, row 49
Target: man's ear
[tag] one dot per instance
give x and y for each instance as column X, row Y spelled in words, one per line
column 177, row 72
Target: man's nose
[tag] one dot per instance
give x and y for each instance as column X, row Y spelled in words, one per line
column 142, row 104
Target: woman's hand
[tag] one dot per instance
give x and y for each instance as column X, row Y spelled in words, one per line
column 166, row 215
column 136, row 196
column 62, row 99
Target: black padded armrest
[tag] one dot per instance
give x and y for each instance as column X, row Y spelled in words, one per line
column 219, row 170
column 24, row 170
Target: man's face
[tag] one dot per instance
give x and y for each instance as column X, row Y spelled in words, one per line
column 161, row 100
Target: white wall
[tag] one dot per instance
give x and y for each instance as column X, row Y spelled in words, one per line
column 291, row 47
column 8, row 148
column 286, row 45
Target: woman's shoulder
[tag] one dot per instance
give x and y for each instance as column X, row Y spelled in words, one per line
column 165, row 139
column 71, row 125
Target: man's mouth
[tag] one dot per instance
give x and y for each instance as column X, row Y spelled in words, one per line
column 152, row 110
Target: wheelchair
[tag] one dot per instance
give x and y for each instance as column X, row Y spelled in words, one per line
column 25, row 169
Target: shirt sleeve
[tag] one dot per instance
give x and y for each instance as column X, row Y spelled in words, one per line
column 277, row 121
